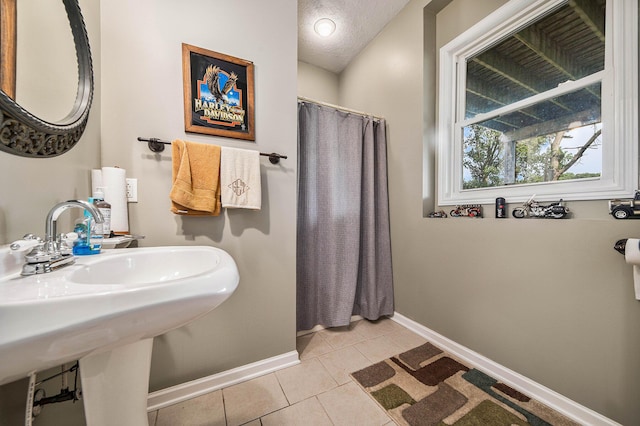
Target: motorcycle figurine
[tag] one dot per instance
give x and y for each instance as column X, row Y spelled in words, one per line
column 470, row 210
column 534, row 209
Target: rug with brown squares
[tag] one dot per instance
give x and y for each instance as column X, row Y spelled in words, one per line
column 427, row 386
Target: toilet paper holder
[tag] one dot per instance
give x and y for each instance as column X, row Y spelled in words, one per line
column 632, row 257
column 621, row 245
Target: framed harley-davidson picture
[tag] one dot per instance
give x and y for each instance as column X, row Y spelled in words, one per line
column 218, row 94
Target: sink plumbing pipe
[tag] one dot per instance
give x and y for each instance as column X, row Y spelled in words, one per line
column 36, row 399
column 28, row 415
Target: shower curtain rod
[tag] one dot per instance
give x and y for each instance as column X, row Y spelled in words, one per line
column 338, row 107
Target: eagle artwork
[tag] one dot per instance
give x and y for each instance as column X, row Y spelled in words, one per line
column 212, row 78
column 218, row 93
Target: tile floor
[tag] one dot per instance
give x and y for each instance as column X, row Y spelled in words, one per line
column 318, row 391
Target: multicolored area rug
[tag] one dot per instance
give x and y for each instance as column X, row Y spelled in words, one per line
column 426, row 386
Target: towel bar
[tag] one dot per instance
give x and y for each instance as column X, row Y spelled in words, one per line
column 157, row 145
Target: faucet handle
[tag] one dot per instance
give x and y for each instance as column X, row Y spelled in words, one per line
column 27, row 242
column 64, row 245
column 38, row 254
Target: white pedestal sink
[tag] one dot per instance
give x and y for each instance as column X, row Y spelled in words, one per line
column 104, row 311
column 115, row 385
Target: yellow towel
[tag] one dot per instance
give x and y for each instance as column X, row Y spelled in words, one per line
column 196, row 179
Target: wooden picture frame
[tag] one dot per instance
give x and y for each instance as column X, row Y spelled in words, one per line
column 8, row 32
column 218, row 94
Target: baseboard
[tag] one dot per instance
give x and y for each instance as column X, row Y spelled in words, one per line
column 182, row 392
column 564, row 405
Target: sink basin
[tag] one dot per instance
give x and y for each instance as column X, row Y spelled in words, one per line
column 105, row 301
column 155, row 266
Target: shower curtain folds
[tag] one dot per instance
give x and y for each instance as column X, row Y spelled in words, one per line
column 343, row 239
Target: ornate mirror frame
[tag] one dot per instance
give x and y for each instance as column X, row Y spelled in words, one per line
column 22, row 133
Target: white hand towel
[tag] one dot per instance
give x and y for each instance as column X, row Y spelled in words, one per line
column 240, row 178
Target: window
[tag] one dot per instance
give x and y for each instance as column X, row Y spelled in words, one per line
column 541, row 97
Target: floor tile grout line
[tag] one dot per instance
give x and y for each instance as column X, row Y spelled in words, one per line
column 264, row 415
column 366, row 357
column 361, row 390
column 316, row 397
column 347, row 331
column 224, row 407
column 282, row 389
column 325, row 408
column 155, row 420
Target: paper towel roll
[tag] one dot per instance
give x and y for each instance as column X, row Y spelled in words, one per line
column 96, row 180
column 115, row 193
column 632, row 256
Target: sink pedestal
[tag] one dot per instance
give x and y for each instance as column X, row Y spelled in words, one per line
column 115, row 385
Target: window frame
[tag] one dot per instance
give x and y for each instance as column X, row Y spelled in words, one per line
column 619, row 107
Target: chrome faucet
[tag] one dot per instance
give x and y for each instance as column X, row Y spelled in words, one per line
column 51, row 244
column 50, row 254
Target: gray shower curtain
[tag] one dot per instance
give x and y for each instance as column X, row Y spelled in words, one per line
column 343, row 242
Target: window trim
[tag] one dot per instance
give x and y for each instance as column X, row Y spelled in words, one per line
column 619, row 106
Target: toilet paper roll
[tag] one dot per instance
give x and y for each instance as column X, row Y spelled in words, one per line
column 632, row 257
column 115, row 193
column 632, row 251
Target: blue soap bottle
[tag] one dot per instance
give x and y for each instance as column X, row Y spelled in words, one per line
column 87, row 243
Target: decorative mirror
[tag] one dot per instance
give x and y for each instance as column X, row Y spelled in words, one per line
column 22, row 132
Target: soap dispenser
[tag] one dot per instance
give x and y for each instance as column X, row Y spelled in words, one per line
column 105, row 209
column 88, row 241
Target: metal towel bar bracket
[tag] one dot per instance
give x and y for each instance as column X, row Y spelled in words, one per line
column 157, row 145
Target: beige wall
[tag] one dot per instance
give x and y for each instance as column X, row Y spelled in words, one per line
column 317, row 83
column 549, row 299
column 143, row 96
column 141, row 82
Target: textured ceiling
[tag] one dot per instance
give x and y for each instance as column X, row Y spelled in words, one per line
column 357, row 23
